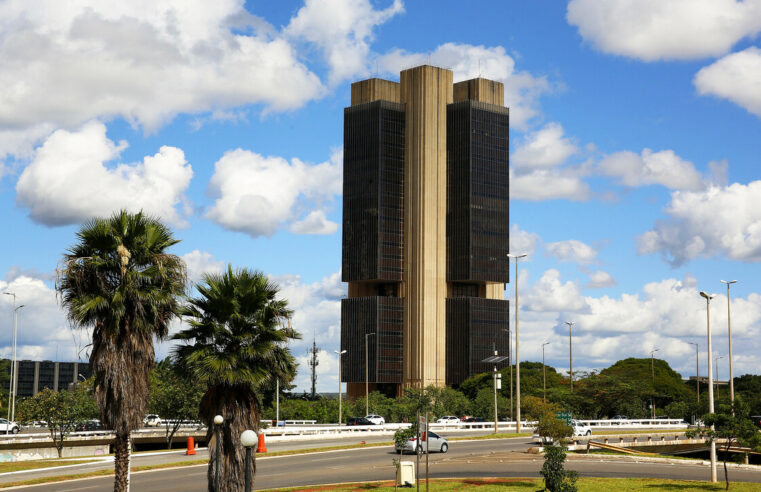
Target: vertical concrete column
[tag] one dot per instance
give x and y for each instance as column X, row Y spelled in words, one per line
column 55, row 376
column 36, row 384
column 425, row 91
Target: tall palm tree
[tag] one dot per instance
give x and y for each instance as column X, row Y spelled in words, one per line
column 119, row 281
column 236, row 345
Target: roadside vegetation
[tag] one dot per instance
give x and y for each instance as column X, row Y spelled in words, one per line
column 530, row 485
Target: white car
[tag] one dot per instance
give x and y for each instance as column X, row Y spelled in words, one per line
column 448, row 419
column 152, row 420
column 375, row 419
column 581, row 429
column 5, row 426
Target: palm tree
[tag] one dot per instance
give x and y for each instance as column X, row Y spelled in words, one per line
column 236, row 345
column 120, row 281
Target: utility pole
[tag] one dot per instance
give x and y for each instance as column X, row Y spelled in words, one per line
column 517, row 350
column 367, row 376
column 13, row 363
column 570, row 350
column 544, row 375
column 313, row 363
column 652, row 368
column 729, row 333
column 708, row 298
column 339, row 383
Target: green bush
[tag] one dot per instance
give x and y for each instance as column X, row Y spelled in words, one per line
column 556, row 477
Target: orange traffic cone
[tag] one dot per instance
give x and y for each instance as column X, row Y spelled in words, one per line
column 261, row 448
column 191, row 447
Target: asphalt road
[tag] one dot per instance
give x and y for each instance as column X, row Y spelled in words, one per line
column 504, row 458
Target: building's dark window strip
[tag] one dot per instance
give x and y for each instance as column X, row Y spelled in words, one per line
column 383, row 316
column 475, row 328
column 477, row 192
column 373, row 192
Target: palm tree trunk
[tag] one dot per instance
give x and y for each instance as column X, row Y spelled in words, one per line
column 238, row 405
column 121, row 463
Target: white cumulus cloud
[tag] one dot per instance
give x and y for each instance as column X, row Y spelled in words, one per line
column 201, row 262
column 665, row 168
column 69, row 180
column 342, row 30
column 599, row 279
column 522, row 242
column 65, row 63
column 735, row 77
column 258, row 195
column 522, row 89
column 572, row 250
column 545, row 148
column 722, row 221
column 652, row 30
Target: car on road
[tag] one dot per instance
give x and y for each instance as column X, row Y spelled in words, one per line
column 358, row 421
column 375, row 419
column 448, row 419
column 620, row 417
column 430, row 440
column 6, row 426
column 90, row 425
column 580, row 428
column 152, row 420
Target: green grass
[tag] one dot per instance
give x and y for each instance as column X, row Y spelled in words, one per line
column 531, row 485
column 12, row 466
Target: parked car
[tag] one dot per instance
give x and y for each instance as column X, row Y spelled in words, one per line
column 5, row 426
column 358, row 421
column 434, row 443
column 375, row 419
column 581, row 429
column 475, row 419
column 448, row 419
column 90, row 425
column 152, row 420
column 620, row 417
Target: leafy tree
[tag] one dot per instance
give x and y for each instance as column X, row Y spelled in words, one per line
column 556, row 477
column 236, row 347
column 483, row 406
column 173, row 397
column 732, row 425
column 119, row 281
column 63, row 411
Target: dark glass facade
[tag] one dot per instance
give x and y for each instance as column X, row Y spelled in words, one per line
column 477, row 192
column 34, row 376
column 475, row 328
column 373, row 192
column 383, row 316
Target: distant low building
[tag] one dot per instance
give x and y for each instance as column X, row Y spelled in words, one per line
column 33, row 376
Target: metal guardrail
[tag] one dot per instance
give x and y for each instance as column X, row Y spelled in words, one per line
column 298, row 428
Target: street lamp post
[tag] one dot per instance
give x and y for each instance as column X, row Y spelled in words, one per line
column 570, row 350
column 367, row 378
column 517, row 348
column 13, row 366
column 339, row 383
column 218, row 420
column 652, row 369
column 729, row 333
column 248, row 439
column 708, row 298
column 697, row 369
column 544, row 375
column 716, row 368
column 14, row 381
column 495, row 359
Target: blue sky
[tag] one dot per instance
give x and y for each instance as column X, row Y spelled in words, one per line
column 635, row 136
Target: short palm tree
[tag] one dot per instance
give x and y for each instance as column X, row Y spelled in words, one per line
column 120, row 281
column 236, row 345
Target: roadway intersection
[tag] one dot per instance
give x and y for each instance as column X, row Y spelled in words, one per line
column 485, row 458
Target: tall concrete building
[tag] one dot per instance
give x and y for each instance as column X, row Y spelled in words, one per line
column 33, row 376
column 425, row 230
